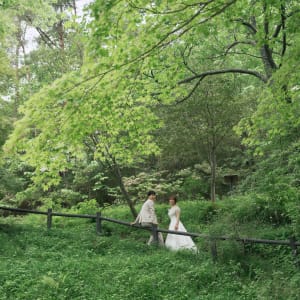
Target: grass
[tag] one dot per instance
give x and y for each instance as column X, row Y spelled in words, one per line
column 71, row 262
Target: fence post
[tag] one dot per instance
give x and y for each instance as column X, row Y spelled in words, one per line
column 49, row 218
column 213, row 248
column 294, row 250
column 154, row 233
column 98, row 223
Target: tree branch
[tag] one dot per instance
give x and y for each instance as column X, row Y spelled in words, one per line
column 250, row 26
column 168, row 12
column 183, row 56
column 191, row 92
column 244, row 53
column 178, row 32
column 269, row 61
column 283, row 19
column 277, row 31
column 292, row 13
column 253, row 43
column 224, row 71
column 45, row 37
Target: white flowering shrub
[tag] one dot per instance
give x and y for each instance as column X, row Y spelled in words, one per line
column 186, row 183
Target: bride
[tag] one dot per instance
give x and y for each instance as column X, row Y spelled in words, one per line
column 174, row 241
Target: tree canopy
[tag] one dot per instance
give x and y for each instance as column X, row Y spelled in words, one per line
column 122, row 87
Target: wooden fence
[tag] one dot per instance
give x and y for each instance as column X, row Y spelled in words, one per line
column 292, row 243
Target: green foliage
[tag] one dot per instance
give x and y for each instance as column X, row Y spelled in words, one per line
column 14, row 177
column 88, row 207
column 260, row 208
column 64, row 197
column 29, row 198
column 272, row 133
column 122, row 129
column 260, row 36
column 5, row 120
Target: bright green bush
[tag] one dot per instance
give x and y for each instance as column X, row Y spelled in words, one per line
column 89, row 207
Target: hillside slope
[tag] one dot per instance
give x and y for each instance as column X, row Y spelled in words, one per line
column 71, row 262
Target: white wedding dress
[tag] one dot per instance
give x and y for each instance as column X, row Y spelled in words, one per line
column 174, row 241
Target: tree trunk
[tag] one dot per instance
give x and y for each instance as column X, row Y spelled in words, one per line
column 213, row 167
column 61, row 32
column 17, row 95
column 268, row 61
column 124, row 191
column 74, row 7
column 266, row 51
column 17, row 66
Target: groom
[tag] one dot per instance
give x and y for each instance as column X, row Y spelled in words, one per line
column 147, row 217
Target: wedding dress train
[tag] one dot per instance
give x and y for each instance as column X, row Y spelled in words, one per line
column 174, row 241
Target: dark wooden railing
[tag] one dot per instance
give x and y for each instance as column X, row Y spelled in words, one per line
column 292, row 243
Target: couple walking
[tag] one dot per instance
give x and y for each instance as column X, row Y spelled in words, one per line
column 147, row 217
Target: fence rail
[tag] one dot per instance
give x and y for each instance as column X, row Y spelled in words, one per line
column 292, row 243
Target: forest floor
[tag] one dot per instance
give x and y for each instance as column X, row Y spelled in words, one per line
column 71, row 261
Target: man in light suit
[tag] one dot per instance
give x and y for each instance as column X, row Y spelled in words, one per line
column 147, row 217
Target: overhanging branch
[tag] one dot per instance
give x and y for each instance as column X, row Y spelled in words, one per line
column 236, row 43
column 224, row 71
column 250, row 26
column 191, row 92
